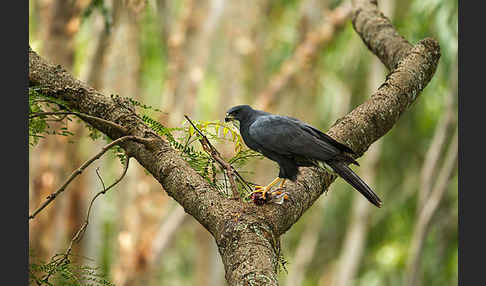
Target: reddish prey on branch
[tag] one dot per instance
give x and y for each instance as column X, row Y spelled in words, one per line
column 292, row 143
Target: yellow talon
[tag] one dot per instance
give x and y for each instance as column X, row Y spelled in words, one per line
column 265, row 189
column 277, row 193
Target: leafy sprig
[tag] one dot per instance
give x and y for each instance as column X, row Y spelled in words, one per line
column 67, row 273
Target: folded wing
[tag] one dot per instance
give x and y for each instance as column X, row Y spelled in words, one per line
column 290, row 137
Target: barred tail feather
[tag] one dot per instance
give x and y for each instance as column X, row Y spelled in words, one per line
column 354, row 180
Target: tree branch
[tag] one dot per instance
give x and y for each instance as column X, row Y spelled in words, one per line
column 378, row 33
column 82, row 116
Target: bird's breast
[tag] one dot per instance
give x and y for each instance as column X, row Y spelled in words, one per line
column 245, row 134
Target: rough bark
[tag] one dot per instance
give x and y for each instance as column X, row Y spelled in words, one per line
column 247, row 235
column 378, row 33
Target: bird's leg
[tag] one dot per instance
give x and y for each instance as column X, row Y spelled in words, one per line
column 265, row 189
column 282, row 184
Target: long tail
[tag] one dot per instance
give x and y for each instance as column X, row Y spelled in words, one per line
column 349, row 176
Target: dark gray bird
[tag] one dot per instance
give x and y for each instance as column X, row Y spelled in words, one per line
column 292, row 143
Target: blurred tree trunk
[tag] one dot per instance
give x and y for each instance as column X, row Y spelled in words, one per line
column 305, row 250
column 311, row 15
column 355, row 239
column 199, row 50
column 308, row 242
column 121, row 65
column 204, row 241
column 241, row 36
column 92, row 72
column 217, row 267
column 176, row 39
column 433, row 155
column 60, row 21
column 139, row 202
column 166, row 232
column 58, row 155
column 165, row 13
column 47, row 170
column 95, row 67
column 303, row 58
column 189, row 42
column 437, row 171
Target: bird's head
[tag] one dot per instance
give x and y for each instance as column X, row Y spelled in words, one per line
column 239, row 113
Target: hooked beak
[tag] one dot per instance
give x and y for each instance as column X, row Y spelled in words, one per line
column 229, row 118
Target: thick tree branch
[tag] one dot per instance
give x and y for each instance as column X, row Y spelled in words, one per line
column 378, row 33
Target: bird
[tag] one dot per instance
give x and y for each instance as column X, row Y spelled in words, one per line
column 292, row 143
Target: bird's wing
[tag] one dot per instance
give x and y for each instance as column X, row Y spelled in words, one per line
column 285, row 136
column 322, row 136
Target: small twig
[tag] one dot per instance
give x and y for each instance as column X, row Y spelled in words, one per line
column 209, row 148
column 80, row 232
column 82, row 116
column 58, row 120
column 82, row 229
column 77, row 172
column 245, row 182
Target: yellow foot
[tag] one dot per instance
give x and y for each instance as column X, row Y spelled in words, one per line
column 279, row 193
column 275, row 197
column 260, row 192
column 278, row 197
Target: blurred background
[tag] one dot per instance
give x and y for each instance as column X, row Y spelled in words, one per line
column 298, row 58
